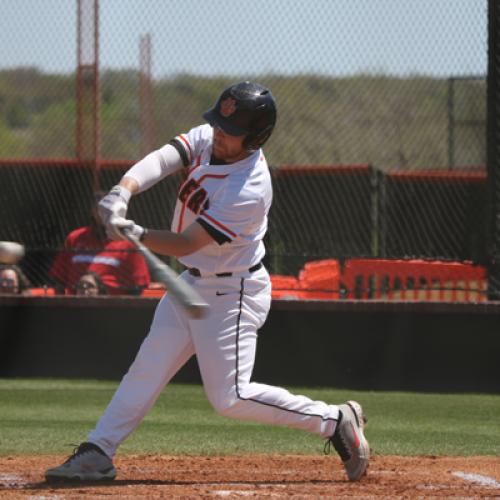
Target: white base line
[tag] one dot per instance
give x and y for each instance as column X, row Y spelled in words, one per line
column 5, row 476
column 478, row 478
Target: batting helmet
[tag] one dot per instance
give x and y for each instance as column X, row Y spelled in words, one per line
column 245, row 109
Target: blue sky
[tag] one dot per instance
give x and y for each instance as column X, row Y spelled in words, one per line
column 238, row 37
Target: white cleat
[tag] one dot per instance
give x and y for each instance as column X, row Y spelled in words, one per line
column 349, row 440
column 88, row 463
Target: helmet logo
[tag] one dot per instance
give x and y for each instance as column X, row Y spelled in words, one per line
column 227, row 107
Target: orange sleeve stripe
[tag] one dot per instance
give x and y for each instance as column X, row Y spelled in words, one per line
column 185, row 141
column 218, row 224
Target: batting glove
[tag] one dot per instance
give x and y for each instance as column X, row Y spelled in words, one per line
column 117, row 225
column 115, row 203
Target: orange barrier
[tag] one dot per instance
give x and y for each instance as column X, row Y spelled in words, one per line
column 285, row 287
column 320, row 279
column 414, row 280
column 41, row 292
column 153, row 292
column 367, row 279
column 155, row 289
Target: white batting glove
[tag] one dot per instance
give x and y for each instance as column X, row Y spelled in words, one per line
column 116, row 226
column 114, row 204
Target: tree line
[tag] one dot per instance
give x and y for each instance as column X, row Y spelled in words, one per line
column 390, row 122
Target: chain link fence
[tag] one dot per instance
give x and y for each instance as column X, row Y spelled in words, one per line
column 393, row 83
column 388, row 86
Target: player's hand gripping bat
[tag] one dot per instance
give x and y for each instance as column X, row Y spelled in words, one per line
column 186, row 295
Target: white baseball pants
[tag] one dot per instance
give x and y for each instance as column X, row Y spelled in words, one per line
column 225, row 344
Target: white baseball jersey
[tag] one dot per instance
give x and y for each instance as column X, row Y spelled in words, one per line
column 230, row 201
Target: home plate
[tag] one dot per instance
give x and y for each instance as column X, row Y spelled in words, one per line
column 478, row 478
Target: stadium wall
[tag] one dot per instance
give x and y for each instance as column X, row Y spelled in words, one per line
column 347, row 344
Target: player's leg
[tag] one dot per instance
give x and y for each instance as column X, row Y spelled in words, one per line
column 226, row 353
column 226, row 360
column 163, row 352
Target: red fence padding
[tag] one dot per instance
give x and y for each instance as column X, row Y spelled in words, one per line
column 65, row 162
column 322, row 169
column 477, row 174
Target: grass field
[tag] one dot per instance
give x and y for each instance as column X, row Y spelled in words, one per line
column 46, row 416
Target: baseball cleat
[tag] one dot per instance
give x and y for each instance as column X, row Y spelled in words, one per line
column 88, row 463
column 349, row 440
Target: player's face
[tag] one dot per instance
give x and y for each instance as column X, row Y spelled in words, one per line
column 228, row 147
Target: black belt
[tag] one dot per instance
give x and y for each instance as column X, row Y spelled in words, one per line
column 193, row 271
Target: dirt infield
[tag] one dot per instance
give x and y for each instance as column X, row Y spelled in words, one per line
column 261, row 476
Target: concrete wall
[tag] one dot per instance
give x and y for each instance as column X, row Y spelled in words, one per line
column 358, row 345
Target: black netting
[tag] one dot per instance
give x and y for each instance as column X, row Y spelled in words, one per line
column 380, row 150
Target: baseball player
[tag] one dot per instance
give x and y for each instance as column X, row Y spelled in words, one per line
column 217, row 232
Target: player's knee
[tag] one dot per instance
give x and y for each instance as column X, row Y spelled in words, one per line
column 228, row 407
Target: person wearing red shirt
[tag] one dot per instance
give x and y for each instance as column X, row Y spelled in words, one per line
column 120, row 267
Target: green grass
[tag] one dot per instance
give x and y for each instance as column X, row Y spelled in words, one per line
column 45, row 416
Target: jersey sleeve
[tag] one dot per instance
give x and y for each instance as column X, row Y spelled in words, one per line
column 225, row 220
column 155, row 167
column 190, row 145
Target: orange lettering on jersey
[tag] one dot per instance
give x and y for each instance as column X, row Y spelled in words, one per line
column 198, row 200
column 193, row 196
column 188, row 188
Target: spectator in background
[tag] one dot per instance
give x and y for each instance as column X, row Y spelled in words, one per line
column 92, row 262
column 90, row 285
column 13, row 280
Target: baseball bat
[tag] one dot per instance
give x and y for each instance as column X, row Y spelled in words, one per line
column 186, row 295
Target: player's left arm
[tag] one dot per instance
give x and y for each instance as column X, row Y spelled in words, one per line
column 165, row 242
column 140, row 177
column 152, row 169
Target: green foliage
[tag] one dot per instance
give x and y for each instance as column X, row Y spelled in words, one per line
column 17, row 116
column 12, row 143
column 43, row 416
column 386, row 121
column 52, row 133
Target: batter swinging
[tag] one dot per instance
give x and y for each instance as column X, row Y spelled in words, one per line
column 217, row 232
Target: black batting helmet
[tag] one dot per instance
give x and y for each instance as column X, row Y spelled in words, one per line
column 245, row 109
